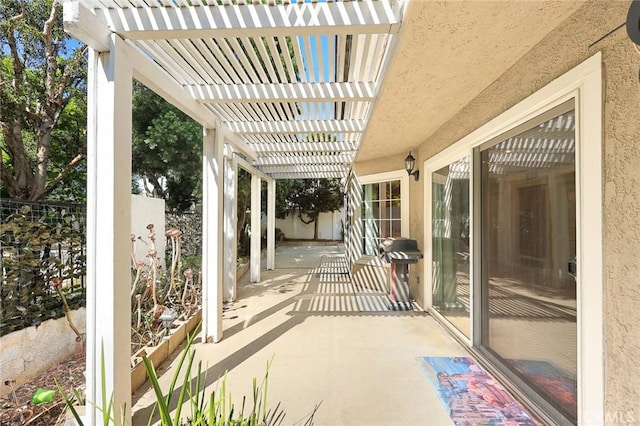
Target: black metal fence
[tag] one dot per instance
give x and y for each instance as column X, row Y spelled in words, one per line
column 42, row 254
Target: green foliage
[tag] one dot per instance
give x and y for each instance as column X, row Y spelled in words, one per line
column 309, row 198
column 243, row 200
column 42, row 396
column 30, row 266
column 208, row 409
column 42, row 70
column 106, row 409
column 69, row 137
column 193, row 262
column 167, row 144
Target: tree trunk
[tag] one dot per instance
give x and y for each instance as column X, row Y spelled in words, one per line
column 42, row 161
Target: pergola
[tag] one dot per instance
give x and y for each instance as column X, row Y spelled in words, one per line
column 282, row 89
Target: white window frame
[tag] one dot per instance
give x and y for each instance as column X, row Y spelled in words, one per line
column 584, row 83
column 403, row 177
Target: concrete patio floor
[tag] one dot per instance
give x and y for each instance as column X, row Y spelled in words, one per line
column 327, row 347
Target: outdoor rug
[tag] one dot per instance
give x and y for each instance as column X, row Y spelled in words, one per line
column 471, row 396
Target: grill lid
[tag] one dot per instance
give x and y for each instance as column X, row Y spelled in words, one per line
column 398, row 244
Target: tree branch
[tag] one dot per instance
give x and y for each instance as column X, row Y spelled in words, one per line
column 74, row 63
column 64, row 172
column 18, row 65
column 23, row 13
column 51, row 56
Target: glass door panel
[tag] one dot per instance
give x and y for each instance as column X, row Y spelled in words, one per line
column 450, row 243
column 528, row 229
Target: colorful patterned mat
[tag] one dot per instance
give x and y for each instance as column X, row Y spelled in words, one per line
column 471, row 396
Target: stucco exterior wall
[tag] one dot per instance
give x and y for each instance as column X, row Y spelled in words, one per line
column 622, row 229
column 578, row 38
column 380, row 165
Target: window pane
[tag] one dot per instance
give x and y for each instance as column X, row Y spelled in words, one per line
column 375, row 192
column 396, row 228
column 395, row 189
column 375, row 209
column 528, row 239
column 384, row 191
column 395, row 209
column 378, row 209
column 450, row 245
column 384, row 209
column 385, row 225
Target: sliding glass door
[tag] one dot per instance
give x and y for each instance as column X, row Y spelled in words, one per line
column 528, row 251
column 503, row 254
column 450, row 243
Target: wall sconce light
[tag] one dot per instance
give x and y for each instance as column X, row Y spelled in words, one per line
column 409, row 164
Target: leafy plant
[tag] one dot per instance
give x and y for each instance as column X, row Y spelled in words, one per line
column 42, row 261
column 107, row 410
column 212, row 409
column 206, row 409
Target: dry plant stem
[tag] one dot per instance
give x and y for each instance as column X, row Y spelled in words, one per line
column 174, row 234
column 139, row 309
column 13, row 392
column 178, row 252
column 154, row 271
column 153, row 254
column 135, row 280
column 187, row 282
column 49, row 408
column 173, row 263
column 68, row 312
column 133, row 250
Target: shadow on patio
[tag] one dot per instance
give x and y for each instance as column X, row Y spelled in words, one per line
column 330, row 344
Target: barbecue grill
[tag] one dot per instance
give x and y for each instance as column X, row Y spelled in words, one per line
column 400, row 253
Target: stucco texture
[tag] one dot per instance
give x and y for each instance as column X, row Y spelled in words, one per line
column 584, row 33
column 622, row 229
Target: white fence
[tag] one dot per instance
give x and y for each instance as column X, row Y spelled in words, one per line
column 329, row 227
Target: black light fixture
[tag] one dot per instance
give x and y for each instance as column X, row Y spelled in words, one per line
column 409, row 164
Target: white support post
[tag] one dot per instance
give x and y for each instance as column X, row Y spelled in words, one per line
column 108, row 325
column 230, row 226
column 271, row 224
column 255, row 227
column 212, row 232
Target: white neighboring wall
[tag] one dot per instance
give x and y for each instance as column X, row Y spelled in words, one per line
column 146, row 210
column 28, row 352
column 329, row 227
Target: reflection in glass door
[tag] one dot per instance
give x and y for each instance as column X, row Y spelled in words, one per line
column 528, row 244
column 450, row 243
